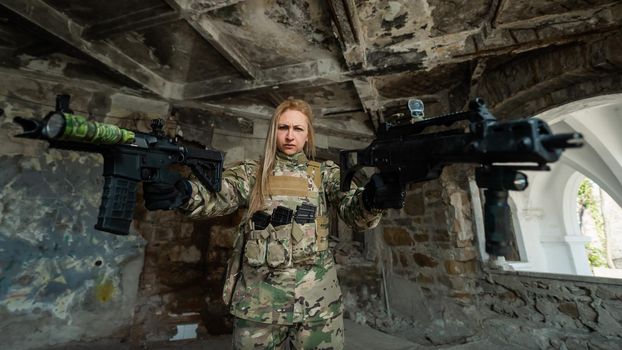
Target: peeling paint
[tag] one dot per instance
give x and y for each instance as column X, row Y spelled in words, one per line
column 48, row 206
column 392, row 10
column 104, row 291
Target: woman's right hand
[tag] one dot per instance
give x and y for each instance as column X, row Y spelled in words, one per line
column 166, row 196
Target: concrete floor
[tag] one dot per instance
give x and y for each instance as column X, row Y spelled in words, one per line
column 358, row 337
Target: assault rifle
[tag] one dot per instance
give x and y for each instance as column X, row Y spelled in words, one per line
column 404, row 154
column 129, row 157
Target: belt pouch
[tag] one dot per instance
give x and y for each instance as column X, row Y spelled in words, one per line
column 256, row 246
column 280, row 247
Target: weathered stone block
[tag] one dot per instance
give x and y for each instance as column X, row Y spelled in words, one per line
column 433, row 195
column 440, row 216
column 165, row 232
column 222, row 236
column 569, row 309
column 184, row 254
column 463, row 254
column 440, row 236
column 415, row 204
column 460, row 267
column 421, row 237
column 424, row 279
column 464, row 244
column 424, row 260
column 186, row 229
column 397, row 236
column 404, row 260
column 453, row 282
column 463, row 298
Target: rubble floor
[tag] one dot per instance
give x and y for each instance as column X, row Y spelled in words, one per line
column 358, row 337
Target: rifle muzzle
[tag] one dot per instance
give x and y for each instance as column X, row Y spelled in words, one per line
column 31, row 128
column 562, row 141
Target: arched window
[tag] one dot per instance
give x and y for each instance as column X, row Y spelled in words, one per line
column 546, row 224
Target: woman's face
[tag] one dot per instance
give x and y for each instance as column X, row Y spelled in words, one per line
column 292, row 132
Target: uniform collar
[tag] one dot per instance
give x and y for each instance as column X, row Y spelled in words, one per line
column 298, row 158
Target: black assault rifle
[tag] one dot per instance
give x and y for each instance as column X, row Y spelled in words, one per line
column 129, row 157
column 403, row 154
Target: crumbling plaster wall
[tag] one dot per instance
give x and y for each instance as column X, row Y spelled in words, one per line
column 57, row 272
column 62, row 281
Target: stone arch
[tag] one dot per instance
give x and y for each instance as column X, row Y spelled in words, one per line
column 522, row 85
column 546, row 211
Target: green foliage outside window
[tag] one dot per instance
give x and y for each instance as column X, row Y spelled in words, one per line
column 586, row 202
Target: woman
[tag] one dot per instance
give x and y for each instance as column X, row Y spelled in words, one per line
column 281, row 281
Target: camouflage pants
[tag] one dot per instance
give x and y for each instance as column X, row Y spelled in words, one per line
column 316, row 334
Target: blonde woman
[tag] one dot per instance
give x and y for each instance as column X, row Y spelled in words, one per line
column 282, row 283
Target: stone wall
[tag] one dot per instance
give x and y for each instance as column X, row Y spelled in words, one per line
column 543, row 311
column 439, row 292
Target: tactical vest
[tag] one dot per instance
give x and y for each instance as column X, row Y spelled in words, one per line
column 289, row 242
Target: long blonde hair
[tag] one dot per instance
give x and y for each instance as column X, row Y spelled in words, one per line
column 266, row 164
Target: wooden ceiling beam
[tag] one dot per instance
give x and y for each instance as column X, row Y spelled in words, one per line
column 44, row 16
column 348, row 30
column 201, row 6
column 369, row 97
column 314, row 73
column 134, row 21
column 202, row 23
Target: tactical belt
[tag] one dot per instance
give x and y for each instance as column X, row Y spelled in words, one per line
column 305, row 213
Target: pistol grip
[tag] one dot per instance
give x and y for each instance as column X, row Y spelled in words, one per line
column 117, row 207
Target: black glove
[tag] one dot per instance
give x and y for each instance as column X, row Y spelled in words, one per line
column 166, row 196
column 381, row 194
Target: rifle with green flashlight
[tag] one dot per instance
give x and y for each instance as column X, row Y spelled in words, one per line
column 130, row 157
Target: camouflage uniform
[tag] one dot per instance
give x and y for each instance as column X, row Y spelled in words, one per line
column 287, row 274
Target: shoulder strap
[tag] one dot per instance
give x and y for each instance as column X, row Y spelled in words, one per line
column 314, row 172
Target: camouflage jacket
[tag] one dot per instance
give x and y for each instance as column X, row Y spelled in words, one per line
column 284, row 274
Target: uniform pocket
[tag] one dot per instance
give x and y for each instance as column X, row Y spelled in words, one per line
column 256, row 246
column 303, row 236
column 279, row 249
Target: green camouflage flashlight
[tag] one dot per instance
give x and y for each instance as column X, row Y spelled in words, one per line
column 71, row 127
